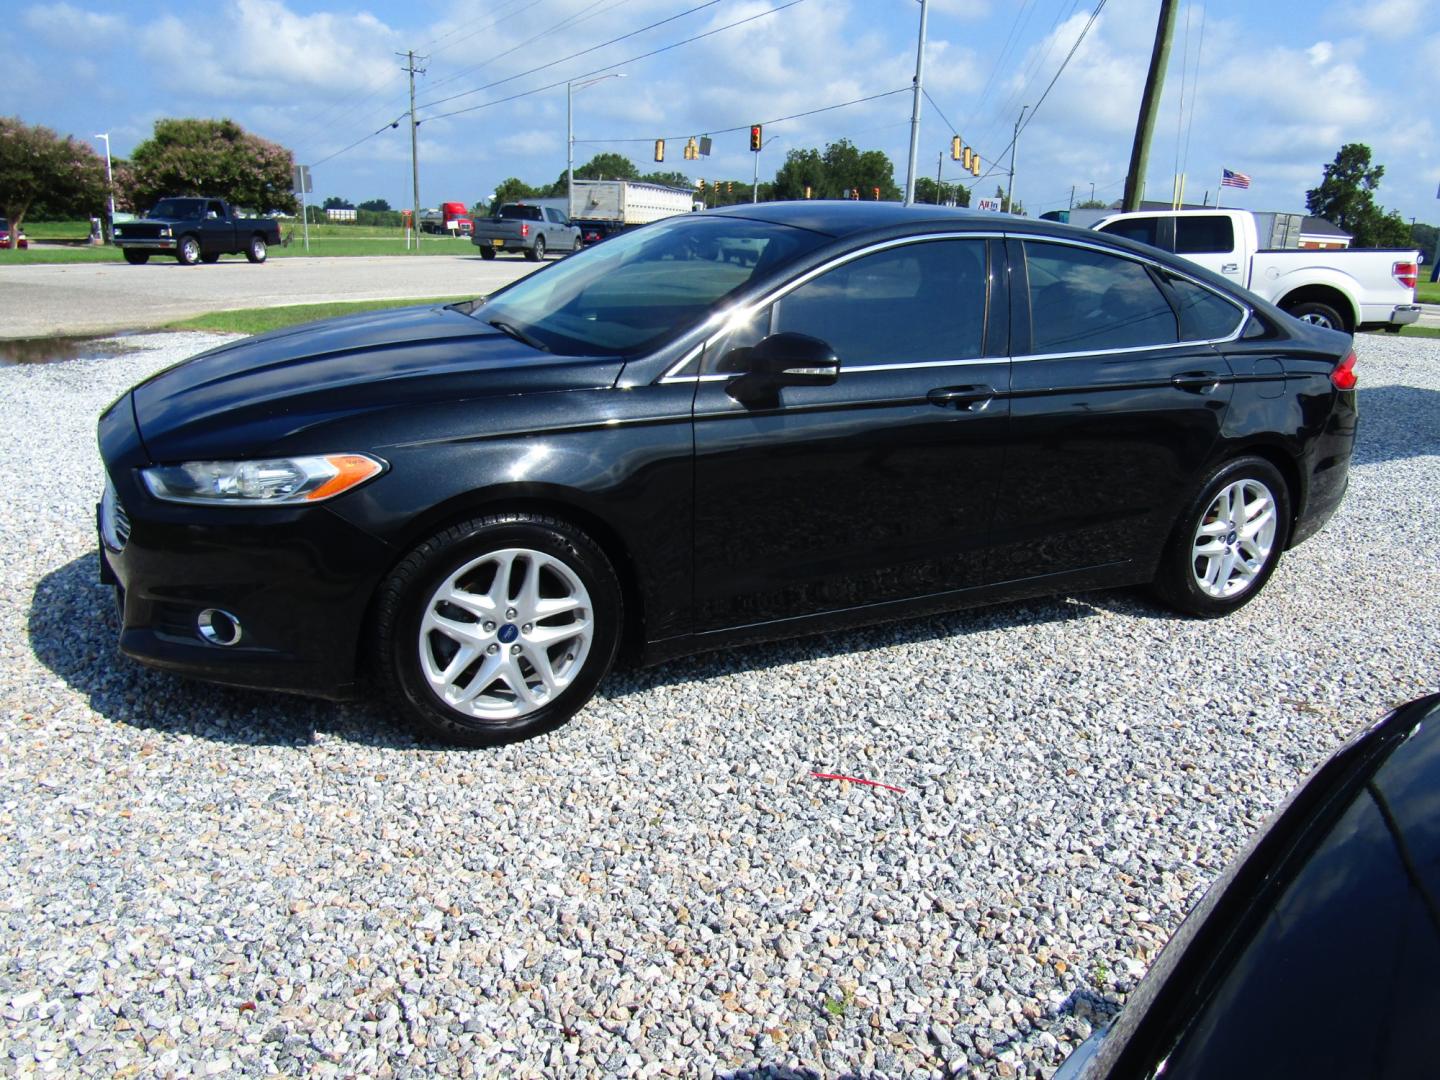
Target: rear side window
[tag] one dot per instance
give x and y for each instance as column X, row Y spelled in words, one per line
column 913, row 304
column 1204, row 316
column 1205, row 234
column 1082, row 300
column 1144, row 230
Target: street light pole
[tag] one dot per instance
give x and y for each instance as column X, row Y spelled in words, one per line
column 915, row 107
column 1010, row 184
column 109, row 182
column 570, row 88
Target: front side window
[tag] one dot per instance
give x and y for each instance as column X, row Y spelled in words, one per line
column 917, row 303
column 1083, row 300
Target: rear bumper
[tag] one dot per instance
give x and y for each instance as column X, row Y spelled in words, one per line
column 1389, row 314
column 1405, row 314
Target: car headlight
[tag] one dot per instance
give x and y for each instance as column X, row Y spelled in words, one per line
column 118, row 231
column 165, row 230
column 270, row 482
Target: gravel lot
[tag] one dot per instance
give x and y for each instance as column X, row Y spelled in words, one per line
column 196, row 880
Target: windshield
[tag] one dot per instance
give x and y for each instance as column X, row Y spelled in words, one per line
column 640, row 289
column 179, row 209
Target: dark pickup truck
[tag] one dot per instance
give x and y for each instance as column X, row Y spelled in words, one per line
column 195, row 230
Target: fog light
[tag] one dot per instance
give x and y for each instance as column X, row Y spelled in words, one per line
column 218, row 627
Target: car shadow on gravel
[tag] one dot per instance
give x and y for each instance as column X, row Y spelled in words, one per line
column 1397, row 422
column 73, row 630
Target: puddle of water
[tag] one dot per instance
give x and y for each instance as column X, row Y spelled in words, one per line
column 15, row 351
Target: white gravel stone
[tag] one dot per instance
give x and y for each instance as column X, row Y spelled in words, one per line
column 193, row 877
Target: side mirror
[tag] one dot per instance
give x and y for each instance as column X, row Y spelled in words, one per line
column 779, row 360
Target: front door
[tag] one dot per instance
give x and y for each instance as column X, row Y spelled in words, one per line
column 879, row 487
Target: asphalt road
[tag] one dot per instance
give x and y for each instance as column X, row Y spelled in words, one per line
column 77, row 299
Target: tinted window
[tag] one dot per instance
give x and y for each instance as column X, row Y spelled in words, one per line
column 178, row 209
column 1204, row 316
column 1205, row 234
column 1356, row 934
column 520, row 213
column 1143, row 230
column 910, row 304
column 1083, row 300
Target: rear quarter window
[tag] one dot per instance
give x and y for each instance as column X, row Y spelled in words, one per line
column 1204, row 315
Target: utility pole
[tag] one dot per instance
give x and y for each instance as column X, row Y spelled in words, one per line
column 915, row 108
column 939, row 171
column 414, row 150
column 1010, row 184
column 1072, row 196
column 1150, row 105
column 110, row 186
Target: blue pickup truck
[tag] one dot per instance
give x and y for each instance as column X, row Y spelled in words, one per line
column 195, row 230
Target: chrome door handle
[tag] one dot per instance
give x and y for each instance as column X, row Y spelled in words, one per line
column 968, row 398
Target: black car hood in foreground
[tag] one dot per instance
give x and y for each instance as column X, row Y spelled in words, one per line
column 247, row 398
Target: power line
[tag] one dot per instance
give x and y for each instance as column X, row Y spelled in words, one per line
column 953, row 129
column 621, row 63
column 746, row 127
column 572, row 56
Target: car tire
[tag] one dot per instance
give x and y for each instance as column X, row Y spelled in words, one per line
column 257, row 252
column 1312, row 311
column 577, row 245
column 461, row 677
column 536, row 253
column 187, row 251
column 213, row 257
column 136, row 258
column 1393, row 328
column 487, row 253
column 1228, row 540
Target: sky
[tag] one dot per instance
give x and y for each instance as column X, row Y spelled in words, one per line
column 1271, row 88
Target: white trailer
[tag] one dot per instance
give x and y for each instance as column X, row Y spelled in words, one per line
column 604, row 207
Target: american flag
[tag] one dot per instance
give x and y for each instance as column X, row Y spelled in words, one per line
column 1234, row 179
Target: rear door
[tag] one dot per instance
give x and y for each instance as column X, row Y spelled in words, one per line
column 1112, row 414
column 879, row 487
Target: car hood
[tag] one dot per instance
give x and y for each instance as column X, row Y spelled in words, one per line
column 255, row 395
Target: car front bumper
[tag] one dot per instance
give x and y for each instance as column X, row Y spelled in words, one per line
column 167, row 244
column 297, row 583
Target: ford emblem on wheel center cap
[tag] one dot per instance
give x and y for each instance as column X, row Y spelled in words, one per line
column 508, row 633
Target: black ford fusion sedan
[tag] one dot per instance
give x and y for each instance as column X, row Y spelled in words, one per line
column 733, row 425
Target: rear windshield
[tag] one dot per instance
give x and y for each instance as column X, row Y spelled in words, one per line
column 179, row 209
column 519, row 213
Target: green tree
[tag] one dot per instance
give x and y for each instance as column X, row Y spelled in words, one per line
column 841, row 167
column 1346, row 198
column 606, row 166
column 380, row 206
column 41, row 172
column 335, row 202
column 212, row 157
column 925, row 192
column 1091, row 204
column 1019, row 207
column 512, row 190
column 669, row 179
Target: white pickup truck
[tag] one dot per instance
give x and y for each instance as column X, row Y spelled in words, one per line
column 1344, row 289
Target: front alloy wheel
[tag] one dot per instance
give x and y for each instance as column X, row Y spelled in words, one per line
column 1228, row 540
column 188, row 252
column 498, row 629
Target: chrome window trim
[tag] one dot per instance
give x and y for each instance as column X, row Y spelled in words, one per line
column 727, row 319
column 741, row 314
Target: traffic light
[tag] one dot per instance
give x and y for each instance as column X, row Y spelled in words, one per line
column 756, row 141
column 966, row 160
column 730, row 187
column 807, row 191
column 975, row 164
column 691, row 150
column 876, row 192
column 955, row 148
column 659, row 149
column 701, row 186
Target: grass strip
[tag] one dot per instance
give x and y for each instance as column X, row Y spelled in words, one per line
column 259, row 320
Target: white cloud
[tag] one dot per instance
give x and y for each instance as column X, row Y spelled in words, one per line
column 1388, row 20
column 70, row 27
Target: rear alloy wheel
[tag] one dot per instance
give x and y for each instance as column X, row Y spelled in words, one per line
column 257, row 251
column 188, row 252
column 498, row 629
column 1318, row 314
column 579, row 243
column 536, row 253
column 136, row 258
column 1229, row 541
column 487, row 253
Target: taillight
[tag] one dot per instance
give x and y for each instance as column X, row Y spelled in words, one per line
column 1407, row 273
column 524, row 229
column 1344, row 374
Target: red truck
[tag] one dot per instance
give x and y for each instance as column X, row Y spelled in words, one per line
column 452, row 218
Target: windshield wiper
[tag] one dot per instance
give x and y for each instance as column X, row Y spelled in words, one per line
column 518, row 334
